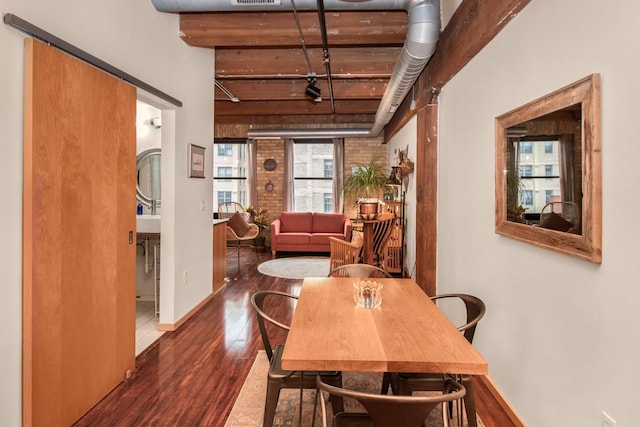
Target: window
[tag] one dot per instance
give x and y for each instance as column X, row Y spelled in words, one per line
column 225, row 150
column 526, row 197
column 539, row 170
column 526, row 170
column 230, row 166
column 224, row 196
column 222, row 172
column 328, row 168
column 313, row 175
column 328, row 202
column 526, row 147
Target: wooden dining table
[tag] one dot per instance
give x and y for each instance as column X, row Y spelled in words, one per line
column 407, row 333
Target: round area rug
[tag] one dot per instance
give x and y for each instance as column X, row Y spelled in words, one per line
column 296, row 267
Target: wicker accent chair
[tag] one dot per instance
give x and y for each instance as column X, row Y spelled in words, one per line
column 406, row 383
column 381, row 233
column 384, row 410
column 227, row 210
column 343, row 253
column 277, row 378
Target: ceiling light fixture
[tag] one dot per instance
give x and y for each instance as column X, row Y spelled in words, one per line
column 224, row 90
column 312, row 91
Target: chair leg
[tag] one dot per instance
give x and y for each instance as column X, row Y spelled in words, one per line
column 469, row 401
column 387, row 381
column 337, row 402
column 270, row 404
column 238, row 252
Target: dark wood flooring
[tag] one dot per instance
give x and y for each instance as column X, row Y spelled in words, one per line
column 191, row 377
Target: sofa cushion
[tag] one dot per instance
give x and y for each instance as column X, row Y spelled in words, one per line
column 328, row 223
column 238, row 224
column 291, row 222
column 294, row 238
column 323, row 238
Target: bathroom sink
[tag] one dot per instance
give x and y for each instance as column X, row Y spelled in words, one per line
column 148, row 223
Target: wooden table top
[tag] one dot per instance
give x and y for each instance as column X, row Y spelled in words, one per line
column 408, row 333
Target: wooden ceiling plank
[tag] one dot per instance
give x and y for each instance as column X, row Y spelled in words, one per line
column 244, row 29
column 303, row 107
column 367, row 61
column 283, row 90
column 363, row 120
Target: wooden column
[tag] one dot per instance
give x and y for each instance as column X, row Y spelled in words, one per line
column 219, row 255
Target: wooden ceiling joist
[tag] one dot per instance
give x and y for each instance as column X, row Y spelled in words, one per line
column 279, row 63
column 228, row 29
column 288, row 90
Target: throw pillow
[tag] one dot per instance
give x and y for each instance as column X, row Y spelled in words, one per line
column 556, row 222
column 238, row 224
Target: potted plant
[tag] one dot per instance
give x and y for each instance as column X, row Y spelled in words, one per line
column 259, row 217
column 365, row 184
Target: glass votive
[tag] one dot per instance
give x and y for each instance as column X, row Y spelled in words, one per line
column 367, row 293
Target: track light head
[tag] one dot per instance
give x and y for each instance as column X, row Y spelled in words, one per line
column 312, row 91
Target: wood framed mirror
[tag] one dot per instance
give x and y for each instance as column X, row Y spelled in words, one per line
column 548, row 171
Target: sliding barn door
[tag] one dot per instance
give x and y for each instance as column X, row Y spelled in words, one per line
column 79, row 265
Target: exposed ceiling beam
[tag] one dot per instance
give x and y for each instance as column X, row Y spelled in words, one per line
column 346, row 62
column 288, row 90
column 364, row 119
column 225, row 29
column 303, row 107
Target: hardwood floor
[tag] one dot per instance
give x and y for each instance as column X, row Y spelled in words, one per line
column 191, row 377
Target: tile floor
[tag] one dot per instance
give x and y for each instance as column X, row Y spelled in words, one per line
column 146, row 324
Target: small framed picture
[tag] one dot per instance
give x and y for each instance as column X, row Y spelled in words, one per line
column 195, row 156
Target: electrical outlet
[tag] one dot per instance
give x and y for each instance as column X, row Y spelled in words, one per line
column 184, row 277
column 203, row 205
column 607, row 421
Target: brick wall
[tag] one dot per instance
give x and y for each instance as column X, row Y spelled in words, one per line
column 357, row 151
column 271, row 201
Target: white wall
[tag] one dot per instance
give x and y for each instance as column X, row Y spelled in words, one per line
column 406, row 137
column 132, row 36
column 560, row 334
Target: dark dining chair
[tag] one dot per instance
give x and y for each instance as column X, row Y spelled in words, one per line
column 406, row 383
column 385, row 410
column 278, row 378
column 359, row 270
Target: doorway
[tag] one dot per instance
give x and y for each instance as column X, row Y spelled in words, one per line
column 149, row 211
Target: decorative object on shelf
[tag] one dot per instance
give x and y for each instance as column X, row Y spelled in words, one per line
column 366, row 183
column 195, row 156
column 405, row 163
column 270, row 165
column 269, row 187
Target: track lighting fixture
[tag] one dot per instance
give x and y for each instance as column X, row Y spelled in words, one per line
column 312, row 91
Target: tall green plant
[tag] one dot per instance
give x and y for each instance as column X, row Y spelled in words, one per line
column 367, row 180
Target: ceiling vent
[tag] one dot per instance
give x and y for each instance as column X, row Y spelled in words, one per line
column 255, row 2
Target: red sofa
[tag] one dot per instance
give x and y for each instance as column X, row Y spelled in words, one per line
column 307, row 231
